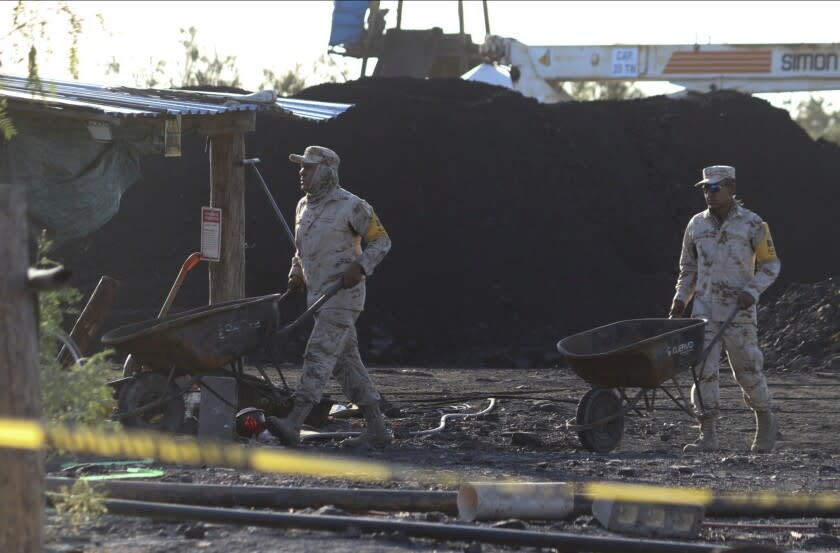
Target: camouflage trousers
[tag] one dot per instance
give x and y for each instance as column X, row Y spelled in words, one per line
column 333, row 349
column 746, row 361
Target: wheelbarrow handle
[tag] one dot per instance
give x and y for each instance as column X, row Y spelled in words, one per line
column 316, row 305
column 706, row 352
column 720, row 332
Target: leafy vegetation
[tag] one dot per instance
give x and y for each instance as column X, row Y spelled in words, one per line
column 78, row 505
column 818, row 119
column 324, row 70
column 613, row 90
column 80, row 394
column 200, row 69
column 30, row 25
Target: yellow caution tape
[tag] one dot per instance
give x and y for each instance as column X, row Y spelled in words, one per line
column 135, row 444
column 641, row 493
column 21, row 434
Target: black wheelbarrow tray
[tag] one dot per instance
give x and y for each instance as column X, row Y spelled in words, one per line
column 636, row 353
column 175, row 352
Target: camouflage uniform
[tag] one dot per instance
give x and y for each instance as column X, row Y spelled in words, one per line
column 719, row 260
column 328, row 233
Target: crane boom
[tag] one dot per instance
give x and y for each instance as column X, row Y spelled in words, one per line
column 748, row 68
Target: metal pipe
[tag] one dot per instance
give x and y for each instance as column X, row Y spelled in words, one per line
column 463, row 56
column 456, row 532
column 253, row 163
column 521, row 500
column 760, row 526
column 751, row 505
column 273, row 497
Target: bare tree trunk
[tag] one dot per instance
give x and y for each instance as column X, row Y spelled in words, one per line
column 21, row 472
column 227, row 192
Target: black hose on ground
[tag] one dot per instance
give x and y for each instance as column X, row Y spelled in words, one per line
column 455, row 532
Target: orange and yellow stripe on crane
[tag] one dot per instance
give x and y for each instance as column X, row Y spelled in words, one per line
column 719, row 62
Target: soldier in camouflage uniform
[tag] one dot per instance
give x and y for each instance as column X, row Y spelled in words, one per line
column 727, row 261
column 330, row 224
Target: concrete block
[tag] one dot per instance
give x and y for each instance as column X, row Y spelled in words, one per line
column 650, row 519
column 217, row 413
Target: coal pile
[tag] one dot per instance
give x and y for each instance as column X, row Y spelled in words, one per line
column 800, row 330
column 513, row 223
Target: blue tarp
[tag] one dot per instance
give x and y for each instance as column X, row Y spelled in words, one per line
column 348, row 22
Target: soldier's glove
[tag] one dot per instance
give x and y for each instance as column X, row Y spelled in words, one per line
column 295, row 283
column 352, row 276
column 745, row 300
column 677, row 309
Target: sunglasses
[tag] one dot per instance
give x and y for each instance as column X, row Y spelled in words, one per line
column 715, row 186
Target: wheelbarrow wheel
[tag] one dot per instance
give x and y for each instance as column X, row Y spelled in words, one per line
column 595, row 405
column 148, row 388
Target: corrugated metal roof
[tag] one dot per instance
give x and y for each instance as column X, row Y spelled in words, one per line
column 124, row 102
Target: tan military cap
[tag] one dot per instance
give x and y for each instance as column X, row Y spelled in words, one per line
column 716, row 173
column 316, row 154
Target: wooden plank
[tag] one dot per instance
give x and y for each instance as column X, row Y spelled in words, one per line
column 227, row 192
column 21, row 472
column 92, row 315
column 223, row 123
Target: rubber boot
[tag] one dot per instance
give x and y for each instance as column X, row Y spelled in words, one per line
column 375, row 433
column 766, row 428
column 708, row 440
column 287, row 429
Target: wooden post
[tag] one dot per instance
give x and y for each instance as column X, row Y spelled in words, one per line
column 463, row 62
column 92, row 315
column 227, row 192
column 21, row 472
column 486, row 18
column 373, row 11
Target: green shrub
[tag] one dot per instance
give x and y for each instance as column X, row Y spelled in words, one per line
column 79, row 394
column 78, row 505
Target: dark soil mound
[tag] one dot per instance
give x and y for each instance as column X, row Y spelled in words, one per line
column 513, row 223
column 800, row 330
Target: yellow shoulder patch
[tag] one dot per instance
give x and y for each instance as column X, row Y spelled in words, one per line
column 375, row 229
column 766, row 251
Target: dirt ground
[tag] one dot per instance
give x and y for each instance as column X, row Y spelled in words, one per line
column 524, row 437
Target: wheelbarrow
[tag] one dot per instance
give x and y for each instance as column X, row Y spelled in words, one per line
column 636, row 353
column 174, row 354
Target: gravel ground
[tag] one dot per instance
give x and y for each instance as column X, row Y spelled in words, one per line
column 524, row 437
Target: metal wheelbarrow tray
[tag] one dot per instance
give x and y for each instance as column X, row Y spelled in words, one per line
column 201, row 342
column 635, row 353
column 201, row 339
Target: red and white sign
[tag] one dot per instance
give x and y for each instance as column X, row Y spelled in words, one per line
column 211, row 233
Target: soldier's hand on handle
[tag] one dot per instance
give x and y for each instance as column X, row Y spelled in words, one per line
column 352, row 276
column 677, row 309
column 745, row 300
column 295, row 283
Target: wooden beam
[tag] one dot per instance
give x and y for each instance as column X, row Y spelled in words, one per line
column 223, row 123
column 227, row 192
column 21, row 472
